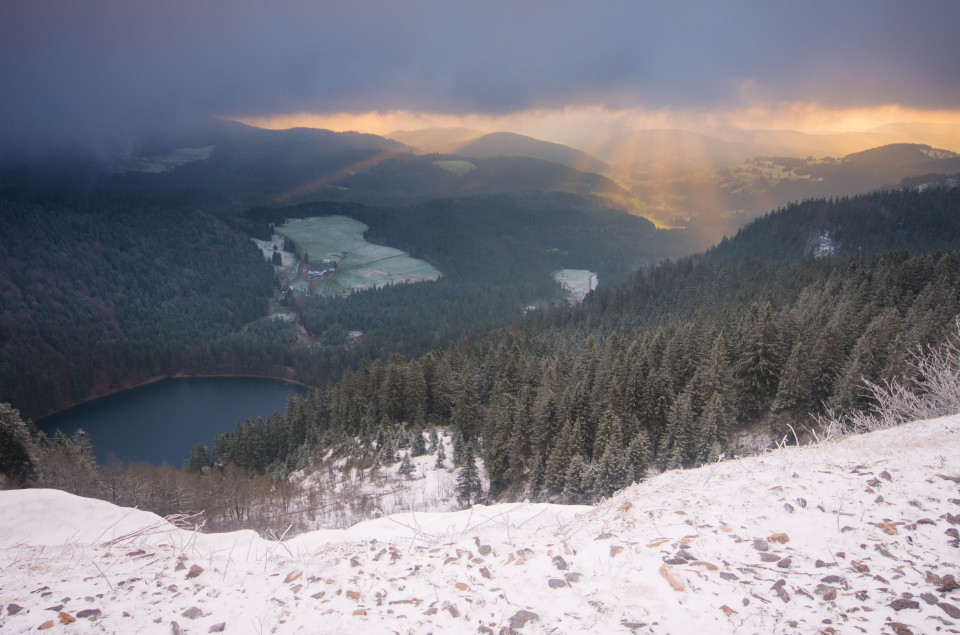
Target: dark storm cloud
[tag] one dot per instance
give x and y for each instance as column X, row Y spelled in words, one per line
column 85, row 70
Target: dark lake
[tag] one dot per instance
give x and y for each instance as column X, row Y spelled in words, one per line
column 159, row 422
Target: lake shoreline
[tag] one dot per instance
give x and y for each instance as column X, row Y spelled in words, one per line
column 159, row 420
column 159, row 378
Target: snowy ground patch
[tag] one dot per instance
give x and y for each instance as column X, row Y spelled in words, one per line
column 577, row 283
column 857, row 536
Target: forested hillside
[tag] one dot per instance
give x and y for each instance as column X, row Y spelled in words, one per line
column 570, row 402
column 497, row 254
column 907, row 219
column 661, row 371
column 99, row 294
column 579, row 402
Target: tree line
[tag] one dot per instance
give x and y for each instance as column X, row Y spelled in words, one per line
column 579, row 401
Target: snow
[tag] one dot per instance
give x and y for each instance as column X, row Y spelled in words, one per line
column 853, row 536
column 825, row 246
column 340, row 494
column 289, row 259
column 577, row 283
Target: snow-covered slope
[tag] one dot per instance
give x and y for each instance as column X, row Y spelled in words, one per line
column 858, row 536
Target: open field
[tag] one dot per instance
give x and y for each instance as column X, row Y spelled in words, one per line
column 360, row 264
column 165, row 162
column 456, row 166
column 576, row 282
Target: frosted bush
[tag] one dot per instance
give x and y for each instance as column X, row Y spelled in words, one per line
column 932, row 389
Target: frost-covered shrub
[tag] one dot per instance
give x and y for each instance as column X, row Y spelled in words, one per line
column 930, row 389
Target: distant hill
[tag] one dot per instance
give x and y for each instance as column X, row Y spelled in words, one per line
column 508, row 144
column 944, row 135
column 442, row 140
column 432, row 176
column 639, row 153
column 232, row 164
column 921, row 221
column 717, row 201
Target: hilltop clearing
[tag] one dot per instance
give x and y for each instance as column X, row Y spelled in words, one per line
column 854, row 536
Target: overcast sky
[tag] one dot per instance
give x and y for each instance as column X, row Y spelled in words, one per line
column 73, row 69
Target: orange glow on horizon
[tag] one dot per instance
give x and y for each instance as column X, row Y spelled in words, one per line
column 575, row 126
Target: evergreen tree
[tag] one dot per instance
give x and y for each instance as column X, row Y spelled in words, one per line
column 555, row 469
column 17, row 450
column 418, row 446
column 536, row 480
column 609, row 432
column 761, row 359
column 468, row 487
column 711, row 438
column 638, row 456
column 441, row 457
column 575, row 481
column 794, row 398
column 609, row 472
column 199, row 459
column 679, row 436
column 406, row 466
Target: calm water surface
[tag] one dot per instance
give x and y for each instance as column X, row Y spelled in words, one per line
column 159, row 422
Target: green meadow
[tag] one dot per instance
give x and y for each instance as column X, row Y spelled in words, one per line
column 360, row 264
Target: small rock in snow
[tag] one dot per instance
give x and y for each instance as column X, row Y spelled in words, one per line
column 192, row 613
column 13, row 609
column 929, row 598
column 521, row 617
column 900, row 604
column 950, row 610
column 218, row 628
column 947, row 584
column 560, row 563
column 556, row 583
column 675, row 581
column 761, row 545
column 195, row 571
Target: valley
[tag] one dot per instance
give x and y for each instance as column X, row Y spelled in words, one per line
column 479, row 318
